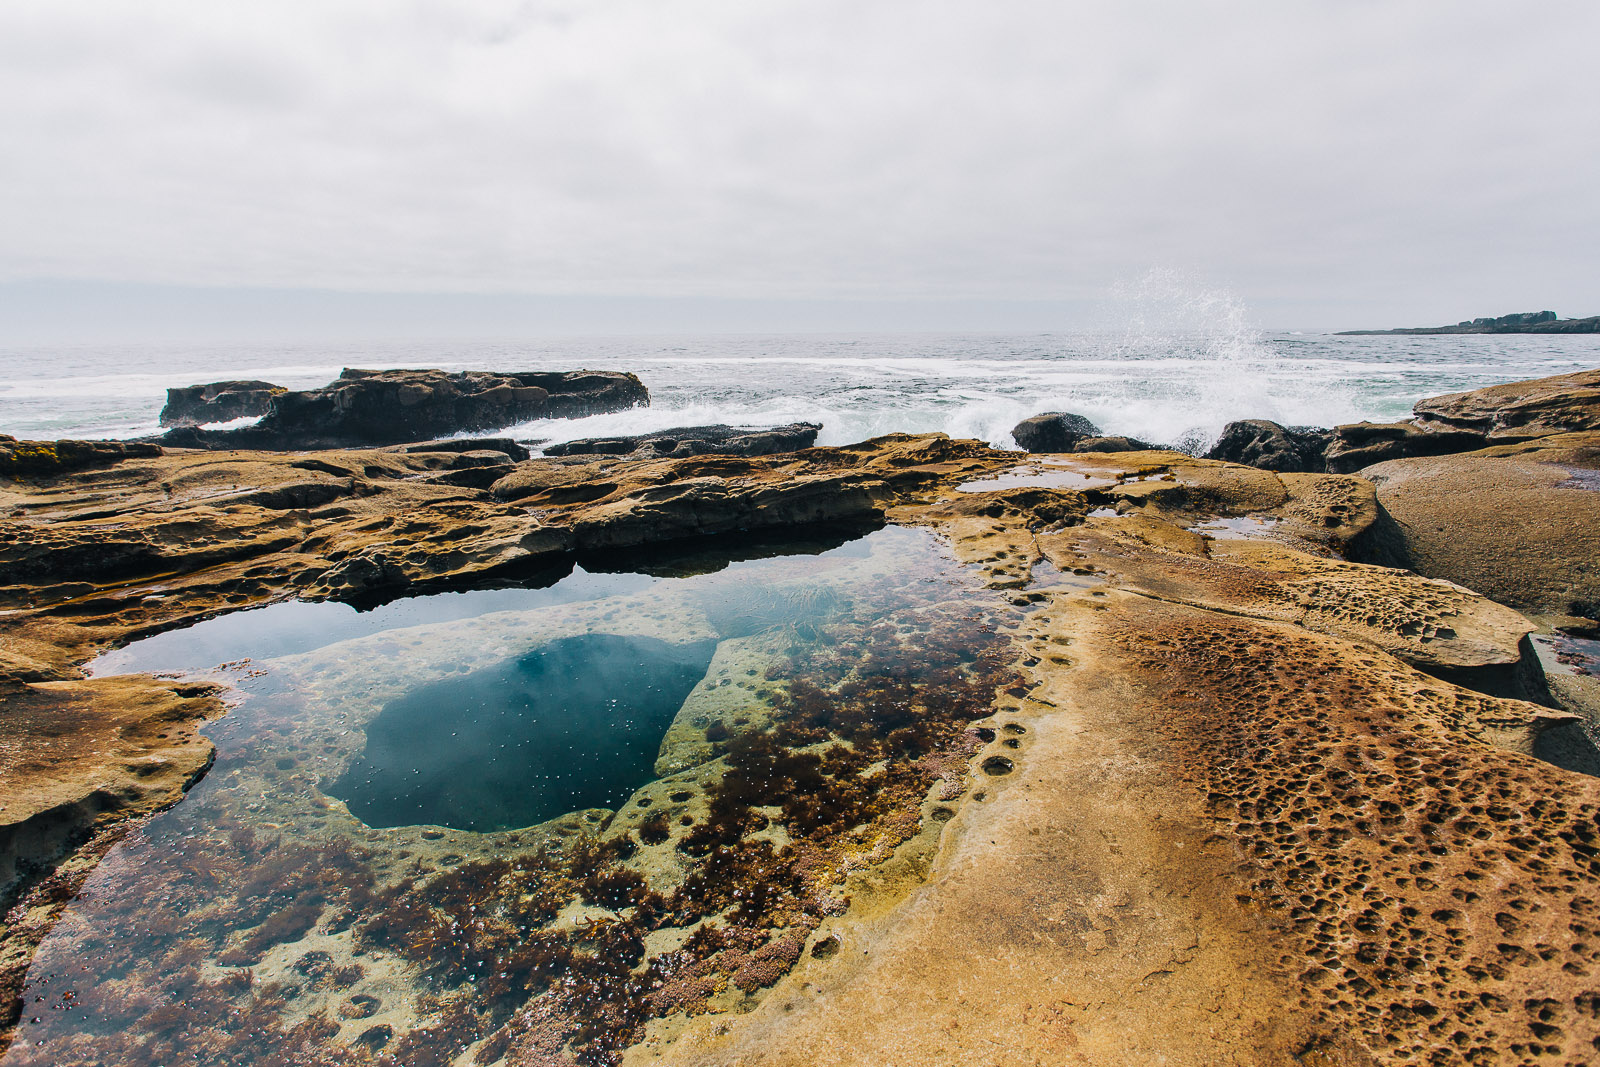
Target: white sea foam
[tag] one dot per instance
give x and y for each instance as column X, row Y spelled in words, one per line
column 232, row 424
column 1185, row 366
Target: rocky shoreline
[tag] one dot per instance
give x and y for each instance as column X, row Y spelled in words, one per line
column 1297, row 772
column 1545, row 322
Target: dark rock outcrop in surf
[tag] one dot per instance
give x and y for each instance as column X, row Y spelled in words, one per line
column 196, row 405
column 1053, row 431
column 1270, row 446
column 381, row 407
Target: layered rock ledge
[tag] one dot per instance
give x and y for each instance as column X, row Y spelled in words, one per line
column 1441, row 425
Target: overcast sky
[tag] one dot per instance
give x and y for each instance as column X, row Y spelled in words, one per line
column 1329, row 164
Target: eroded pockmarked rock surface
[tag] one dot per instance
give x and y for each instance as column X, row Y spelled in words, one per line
column 1434, row 892
column 1221, row 838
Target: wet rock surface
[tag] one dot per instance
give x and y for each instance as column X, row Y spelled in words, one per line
column 1218, row 792
column 1265, row 444
column 697, row 441
column 368, row 407
column 1053, row 431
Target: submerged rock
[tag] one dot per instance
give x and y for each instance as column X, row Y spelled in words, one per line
column 367, row 407
column 195, row 405
column 1053, row 431
column 1270, row 446
column 697, row 441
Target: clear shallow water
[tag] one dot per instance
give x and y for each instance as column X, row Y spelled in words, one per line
column 1166, row 388
column 261, row 922
column 294, row 627
column 573, row 724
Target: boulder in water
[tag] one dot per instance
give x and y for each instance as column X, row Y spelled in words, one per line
column 1053, row 431
column 1270, row 446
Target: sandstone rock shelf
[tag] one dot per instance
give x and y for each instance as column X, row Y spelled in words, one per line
column 1220, row 799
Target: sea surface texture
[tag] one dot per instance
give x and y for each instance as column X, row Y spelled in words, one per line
column 1165, row 388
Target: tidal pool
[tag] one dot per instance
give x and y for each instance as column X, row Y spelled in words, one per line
column 1239, row 528
column 525, row 826
column 527, row 740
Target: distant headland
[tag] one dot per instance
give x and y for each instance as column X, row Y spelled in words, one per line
column 1524, row 322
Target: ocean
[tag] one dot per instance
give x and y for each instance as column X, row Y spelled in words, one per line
column 1176, row 389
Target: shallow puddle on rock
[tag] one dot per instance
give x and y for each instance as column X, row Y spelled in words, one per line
column 1046, row 575
column 1241, row 528
column 1581, row 478
column 1037, row 476
column 809, row 712
column 1580, row 655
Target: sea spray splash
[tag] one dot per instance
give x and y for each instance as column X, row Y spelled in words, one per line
column 1225, row 367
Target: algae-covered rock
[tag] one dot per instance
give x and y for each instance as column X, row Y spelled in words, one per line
column 36, row 458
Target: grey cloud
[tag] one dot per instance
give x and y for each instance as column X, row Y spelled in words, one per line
column 1407, row 159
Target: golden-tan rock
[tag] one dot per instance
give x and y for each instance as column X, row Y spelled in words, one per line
column 1226, row 805
column 1519, row 523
